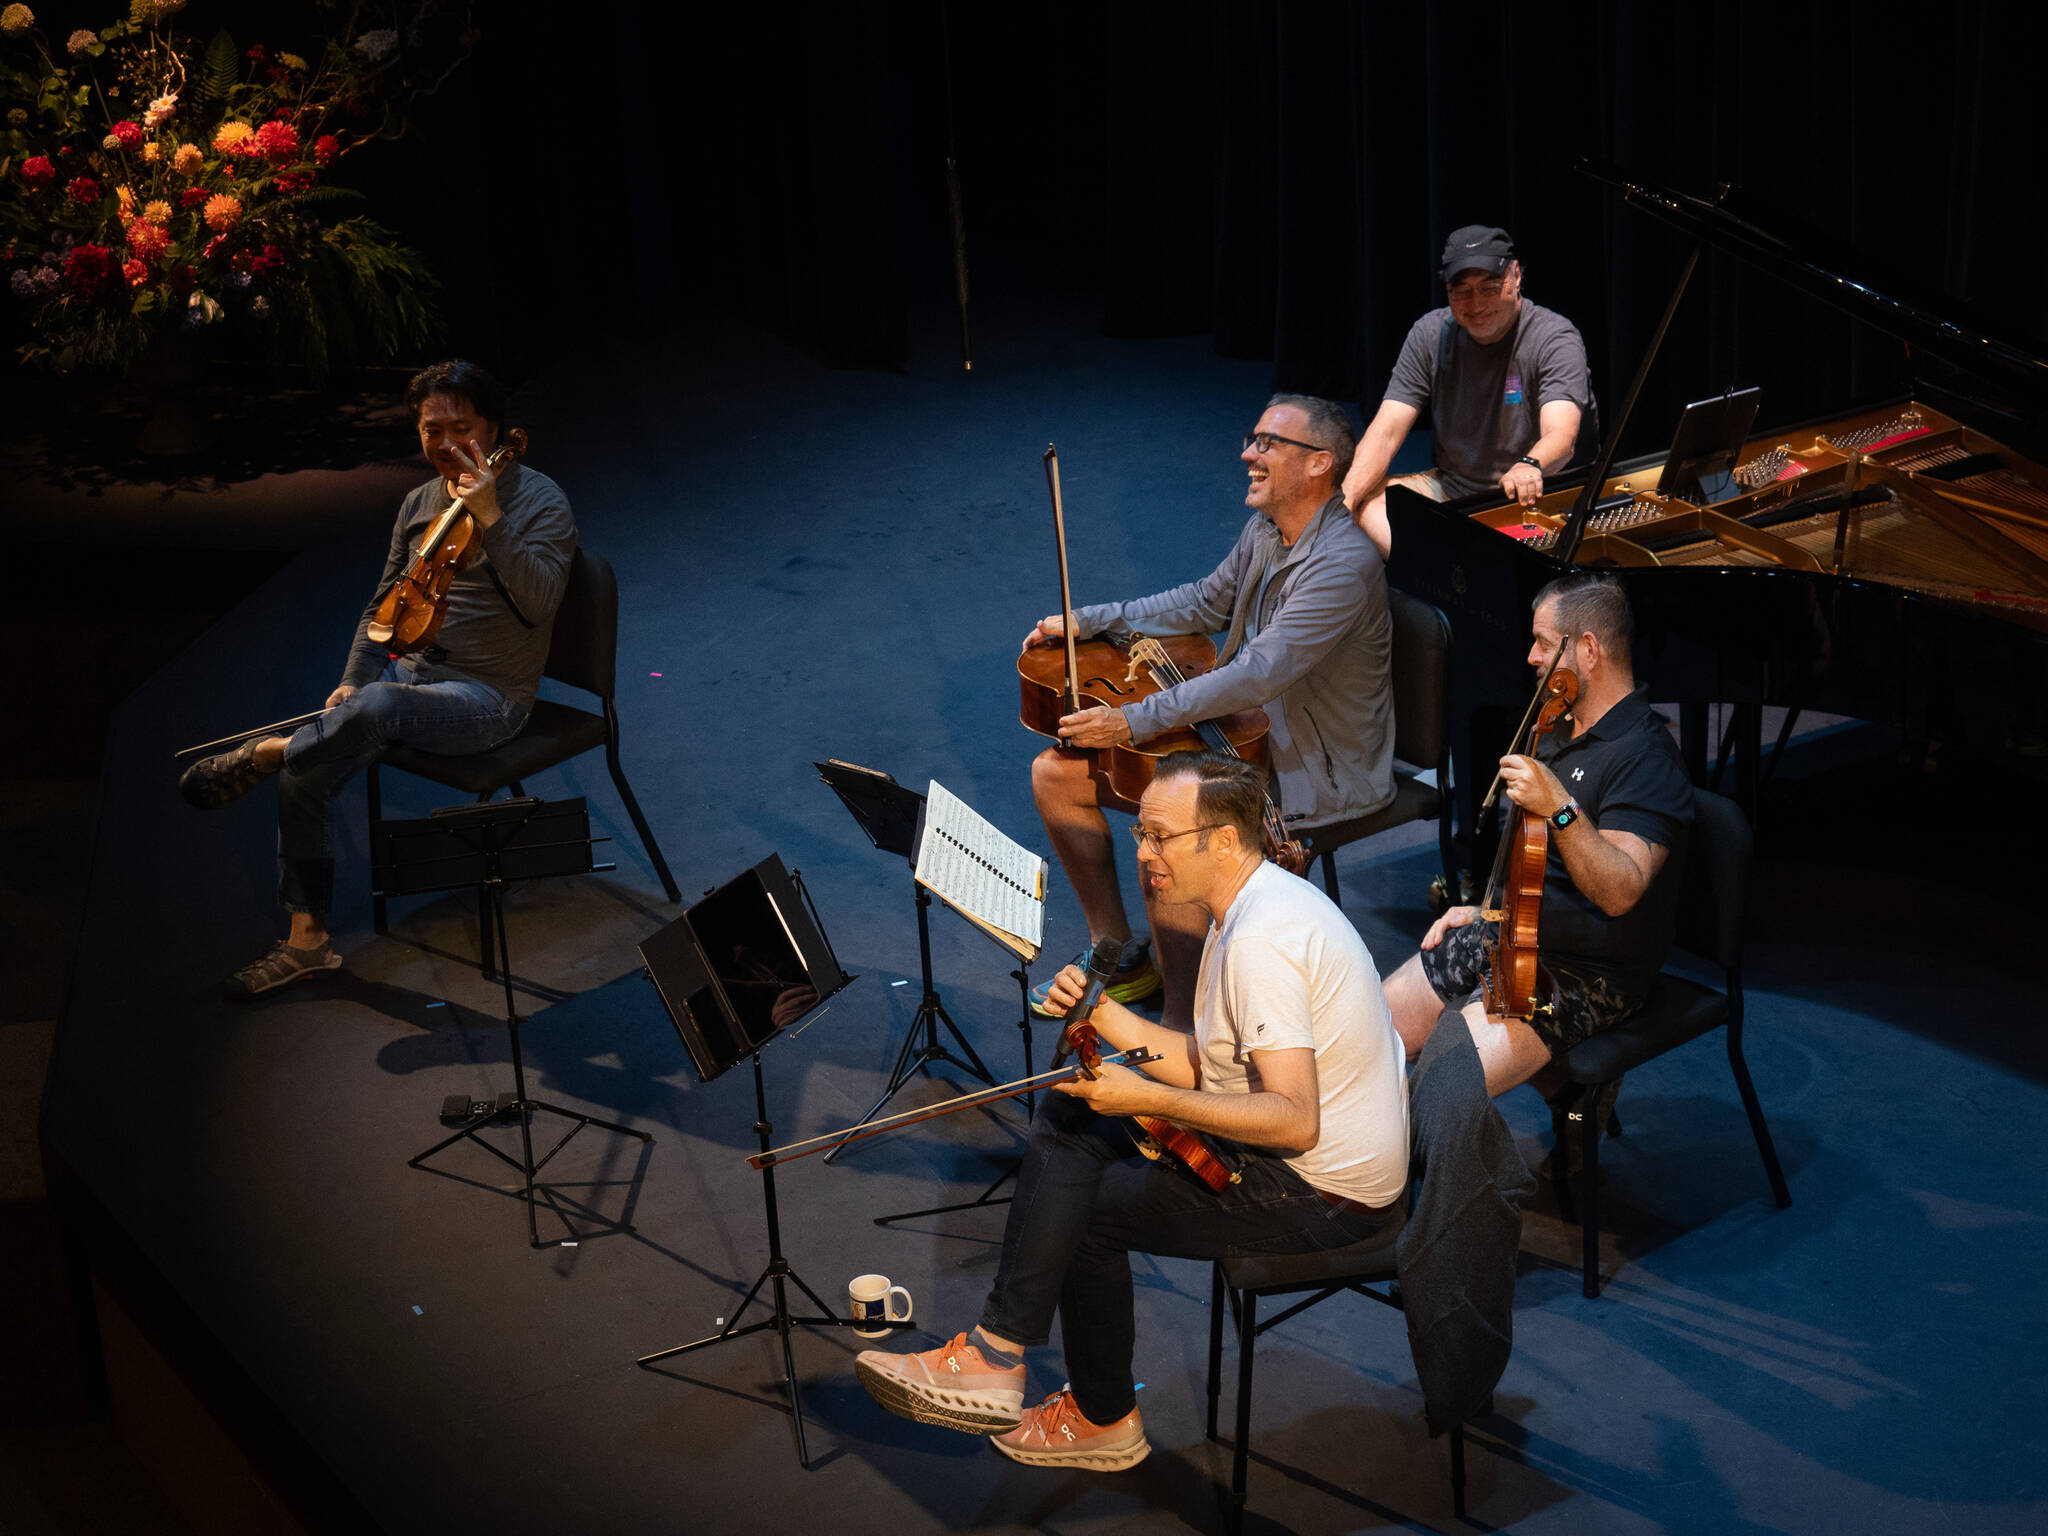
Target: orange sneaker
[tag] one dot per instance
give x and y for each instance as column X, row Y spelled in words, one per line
column 1055, row 1434
column 952, row 1386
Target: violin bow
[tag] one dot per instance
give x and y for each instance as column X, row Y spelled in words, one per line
column 1514, row 742
column 1059, row 529
column 800, row 1149
column 276, row 727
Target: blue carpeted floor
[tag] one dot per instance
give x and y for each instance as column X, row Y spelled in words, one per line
column 837, row 564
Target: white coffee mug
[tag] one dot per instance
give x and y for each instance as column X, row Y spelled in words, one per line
column 871, row 1299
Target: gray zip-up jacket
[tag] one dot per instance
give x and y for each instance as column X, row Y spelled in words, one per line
column 1312, row 644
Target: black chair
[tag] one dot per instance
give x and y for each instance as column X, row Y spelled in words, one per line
column 1422, row 707
column 582, row 652
column 1713, row 902
column 1451, row 1123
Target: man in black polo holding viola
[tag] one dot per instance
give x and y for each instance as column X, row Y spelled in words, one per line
column 1615, row 792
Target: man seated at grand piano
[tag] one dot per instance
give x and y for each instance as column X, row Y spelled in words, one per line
column 1615, row 792
column 1504, row 379
column 1303, row 597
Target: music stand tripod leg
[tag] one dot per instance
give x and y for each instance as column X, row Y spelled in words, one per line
column 931, row 1013
column 493, row 909
column 777, row 1271
column 984, row 1199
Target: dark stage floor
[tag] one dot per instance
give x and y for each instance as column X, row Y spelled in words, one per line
column 833, row 564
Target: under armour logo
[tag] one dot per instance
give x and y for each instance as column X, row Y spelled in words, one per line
column 1578, row 773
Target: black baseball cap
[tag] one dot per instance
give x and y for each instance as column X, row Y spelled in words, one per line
column 1478, row 245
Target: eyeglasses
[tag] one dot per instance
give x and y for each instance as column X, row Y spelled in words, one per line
column 1266, row 440
column 1141, row 837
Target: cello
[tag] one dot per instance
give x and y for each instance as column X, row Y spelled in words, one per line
column 1515, row 985
column 1118, row 669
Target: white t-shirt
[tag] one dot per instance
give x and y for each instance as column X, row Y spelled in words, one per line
column 1287, row 969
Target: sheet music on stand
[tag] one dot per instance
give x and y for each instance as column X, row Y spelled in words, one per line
column 982, row 873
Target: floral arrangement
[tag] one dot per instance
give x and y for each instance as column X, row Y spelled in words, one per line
column 149, row 183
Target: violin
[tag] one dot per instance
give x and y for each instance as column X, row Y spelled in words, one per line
column 1516, row 986
column 409, row 615
column 1107, row 673
column 1158, row 1139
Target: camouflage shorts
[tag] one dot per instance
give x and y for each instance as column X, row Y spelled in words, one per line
column 1585, row 1004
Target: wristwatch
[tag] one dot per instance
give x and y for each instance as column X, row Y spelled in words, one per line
column 1565, row 815
column 1534, row 463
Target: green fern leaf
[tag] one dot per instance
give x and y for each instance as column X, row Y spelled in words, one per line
column 222, row 68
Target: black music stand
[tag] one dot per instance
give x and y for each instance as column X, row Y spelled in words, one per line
column 890, row 814
column 736, row 970
column 1707, row 446
column 488, row 846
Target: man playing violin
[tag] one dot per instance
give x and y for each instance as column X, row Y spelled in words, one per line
column 1303, row 596
column 1615, row 792
column 468, row 691
column 1294, row 1067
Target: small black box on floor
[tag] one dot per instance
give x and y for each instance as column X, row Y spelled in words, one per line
column 448, row 849
column 459, row 1108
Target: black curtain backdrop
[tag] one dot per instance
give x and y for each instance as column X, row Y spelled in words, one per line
column 1279, row 173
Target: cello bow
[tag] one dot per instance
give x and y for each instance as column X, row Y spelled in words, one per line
column 1059, row 530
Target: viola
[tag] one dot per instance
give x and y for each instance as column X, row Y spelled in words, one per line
column 410, row 612
column 1516, row 986
column 1157, row 1138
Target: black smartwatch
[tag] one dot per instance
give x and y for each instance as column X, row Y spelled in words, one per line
column 1533, row 463
column 1565, row 815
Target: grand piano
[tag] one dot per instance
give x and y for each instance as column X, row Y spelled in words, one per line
column 1888, row 563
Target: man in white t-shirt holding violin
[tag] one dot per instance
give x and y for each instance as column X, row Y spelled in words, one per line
column 1294, row 1073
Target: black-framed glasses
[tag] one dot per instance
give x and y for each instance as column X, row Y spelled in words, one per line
column 1266, row 440
column 1141, row 837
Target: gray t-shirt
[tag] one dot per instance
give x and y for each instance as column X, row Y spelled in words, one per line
column 1486, row 406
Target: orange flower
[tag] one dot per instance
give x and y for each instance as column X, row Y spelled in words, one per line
column 187, row 160
column 127, row 197
column 157, row 211
column 148, row 241
column 233, row 138
column 222, row 212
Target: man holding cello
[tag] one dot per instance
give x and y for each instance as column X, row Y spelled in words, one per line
column 467, row 690
column 1614, row 790
column 1303, row 597
column 1294, row 1067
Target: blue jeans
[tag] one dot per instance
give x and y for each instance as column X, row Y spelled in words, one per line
column 1085, row 1202
column 452, row 716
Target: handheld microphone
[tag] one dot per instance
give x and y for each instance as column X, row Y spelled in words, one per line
column 1103, row 960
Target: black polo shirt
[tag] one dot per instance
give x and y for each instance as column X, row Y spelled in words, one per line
column 1626, row 774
